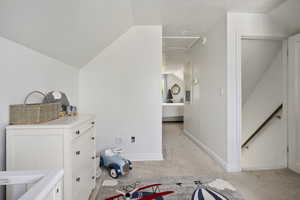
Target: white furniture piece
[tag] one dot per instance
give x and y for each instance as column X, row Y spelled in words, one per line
column 172, row 112
column 67, row 143
column 38, row 185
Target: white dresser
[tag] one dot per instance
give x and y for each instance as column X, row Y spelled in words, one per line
column 67, row 143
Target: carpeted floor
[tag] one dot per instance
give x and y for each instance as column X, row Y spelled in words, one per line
column 183, row 187
column 183, row 158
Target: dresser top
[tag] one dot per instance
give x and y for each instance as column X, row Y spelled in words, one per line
column 64, row 122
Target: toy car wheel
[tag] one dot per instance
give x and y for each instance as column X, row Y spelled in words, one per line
column 113, row 173
column 101, row 162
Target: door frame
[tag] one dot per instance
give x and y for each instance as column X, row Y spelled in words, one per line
column 234, row 95
column 293, row 107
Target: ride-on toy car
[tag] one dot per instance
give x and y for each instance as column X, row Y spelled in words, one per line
column 114, row 162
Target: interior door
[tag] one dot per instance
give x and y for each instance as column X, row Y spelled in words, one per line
column 294, row 102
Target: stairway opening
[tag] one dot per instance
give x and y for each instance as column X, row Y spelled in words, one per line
column 264, row 137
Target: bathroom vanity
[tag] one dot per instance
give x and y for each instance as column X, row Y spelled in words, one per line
column 172, row 112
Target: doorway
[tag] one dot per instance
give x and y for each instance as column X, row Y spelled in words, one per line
column 263, row 105
column 291, row 61
column 172, row 97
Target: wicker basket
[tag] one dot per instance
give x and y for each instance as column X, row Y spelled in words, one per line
column 33, row 113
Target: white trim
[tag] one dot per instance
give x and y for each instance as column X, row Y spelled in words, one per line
column 143, row 156
column 233, row 71
column 43, row 188
column 293, row 105
column 20, row 177
column 210, row 152
column 271, row 37
column 44, row 182
column 285, row 95
column 181, row 37
column 284, row 100
column 255, row 168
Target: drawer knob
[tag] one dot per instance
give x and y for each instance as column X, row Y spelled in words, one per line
column 77, row 132
column 93, row 177
column 93, row 123
column 57, row 190
column 77, row 152
column 93, row 157
column 93, row 138
column 78, row 179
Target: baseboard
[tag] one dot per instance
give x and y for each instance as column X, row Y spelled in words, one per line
column 255, row 168
column 233, row 168
column 211, row 153
column 143, row 156
column 173, row 119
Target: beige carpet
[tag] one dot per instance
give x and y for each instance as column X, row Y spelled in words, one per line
column 183, row 187
column 184, row 158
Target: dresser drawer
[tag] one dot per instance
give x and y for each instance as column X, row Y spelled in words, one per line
column 83, row 183
column 67, row 143
column 83, row 152
column 81, row 129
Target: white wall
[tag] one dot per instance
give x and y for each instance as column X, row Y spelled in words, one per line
column 257, row 57
column 173, row 62
column 205, row 117
column 264, row 99
column 268, row 150
column 24, row 70
column 288, row 14
column 122, row 86
column 71, row 31
column 238, row 25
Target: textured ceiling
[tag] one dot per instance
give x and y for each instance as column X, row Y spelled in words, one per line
column 75, row 31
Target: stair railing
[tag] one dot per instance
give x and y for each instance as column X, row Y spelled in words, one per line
column 262, row 126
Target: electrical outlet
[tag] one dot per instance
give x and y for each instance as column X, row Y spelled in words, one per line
column 132, row 139
column 118, row 141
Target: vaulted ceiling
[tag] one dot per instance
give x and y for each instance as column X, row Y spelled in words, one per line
column 75, row 31
column 72, row 31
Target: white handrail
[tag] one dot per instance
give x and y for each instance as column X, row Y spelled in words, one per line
column 44, row 182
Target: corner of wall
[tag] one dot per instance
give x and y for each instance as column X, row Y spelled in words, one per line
column 210, row 152
column 121, row 85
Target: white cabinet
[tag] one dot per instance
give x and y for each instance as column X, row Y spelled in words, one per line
column 67, row 143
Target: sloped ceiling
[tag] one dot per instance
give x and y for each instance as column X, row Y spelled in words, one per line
column 193, row 17
column 288, row 14
column 72, row 31
column 75, row 31
column 257, row 57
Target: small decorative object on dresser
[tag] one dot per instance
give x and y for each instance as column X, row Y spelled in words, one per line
column 67, row 143
column 33, row 113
